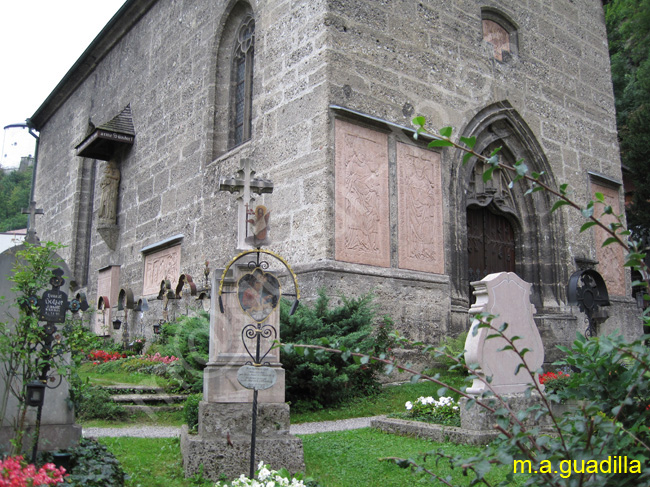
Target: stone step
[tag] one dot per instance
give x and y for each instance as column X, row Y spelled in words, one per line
column 148, row 398
column 133, row 408
column 133, row 389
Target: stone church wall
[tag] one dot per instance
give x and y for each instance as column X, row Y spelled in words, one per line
column 321, row 65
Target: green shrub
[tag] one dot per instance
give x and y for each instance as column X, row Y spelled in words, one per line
column 454, row 346
column 327, row 380
column 191, row 411
column 187, row 338
column 93, row 402
column 91, row 465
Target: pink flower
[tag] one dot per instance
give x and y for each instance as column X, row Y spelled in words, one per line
column 15, row 472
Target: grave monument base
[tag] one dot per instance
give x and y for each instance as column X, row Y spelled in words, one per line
column 51, row 437
column 478, row 420
column 223, row 443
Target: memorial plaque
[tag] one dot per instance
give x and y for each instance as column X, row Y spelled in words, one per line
column 611, row 258
column 53, row 306
column 258, row 378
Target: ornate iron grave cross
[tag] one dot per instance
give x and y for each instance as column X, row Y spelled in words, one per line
column 588, row 291
column 52, row 308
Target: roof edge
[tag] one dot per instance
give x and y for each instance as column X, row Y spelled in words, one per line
column 120, row 24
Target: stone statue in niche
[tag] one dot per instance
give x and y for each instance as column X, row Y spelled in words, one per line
column 109, row 189
column 260, row 227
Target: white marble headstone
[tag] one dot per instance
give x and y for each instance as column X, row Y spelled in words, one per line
column 507, row 296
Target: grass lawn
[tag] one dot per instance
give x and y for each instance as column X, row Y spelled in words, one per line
column 391, row 399
column 337, row 459
column 151, row 462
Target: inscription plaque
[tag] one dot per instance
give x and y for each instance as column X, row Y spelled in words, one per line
column 258, row 378
column 53, row 306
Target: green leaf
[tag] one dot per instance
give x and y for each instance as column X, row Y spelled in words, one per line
column 469, row 141
column 487, row 175
column 609, row 241
column 467, row 157
column 558, row 204
column 446, row 131
column 495, row 152
column 419, row 121
column 600, row 197
column 440, row 143
column 563, row 188
column 587, row 225
column 588, row 212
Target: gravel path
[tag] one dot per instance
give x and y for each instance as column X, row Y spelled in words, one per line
column 171, row 431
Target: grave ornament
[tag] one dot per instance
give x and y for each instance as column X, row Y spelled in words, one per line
column 588, row 291
column 52, row 307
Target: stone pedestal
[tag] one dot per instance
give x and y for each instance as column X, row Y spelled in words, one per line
column 223, row 445
column 480, row 423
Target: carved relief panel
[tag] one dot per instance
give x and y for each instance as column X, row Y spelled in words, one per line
column 362, row 207
column 161, row 265
column 420, row 226
column 610, row 258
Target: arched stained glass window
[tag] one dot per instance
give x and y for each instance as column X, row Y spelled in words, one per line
column 242, row 82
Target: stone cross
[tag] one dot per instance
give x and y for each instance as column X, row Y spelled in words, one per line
column 244, row 183
column 32, row 211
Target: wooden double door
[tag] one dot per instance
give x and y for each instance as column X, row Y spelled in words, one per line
column 490, row 244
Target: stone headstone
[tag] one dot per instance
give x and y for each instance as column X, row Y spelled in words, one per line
column 506, row 296
column 58, row 429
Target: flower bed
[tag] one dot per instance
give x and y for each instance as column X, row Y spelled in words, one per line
column 100, row 356
column 16, row 472
column 266, row 477
column 555, row 382
column 443, row 411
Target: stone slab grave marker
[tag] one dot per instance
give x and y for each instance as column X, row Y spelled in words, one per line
column 506, row 296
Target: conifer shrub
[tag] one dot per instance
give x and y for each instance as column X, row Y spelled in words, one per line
column 325, row 380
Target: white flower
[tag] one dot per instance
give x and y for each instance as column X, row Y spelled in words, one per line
column 264, row 473
column 409, row 405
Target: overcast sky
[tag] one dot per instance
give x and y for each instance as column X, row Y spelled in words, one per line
column 40, row 40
